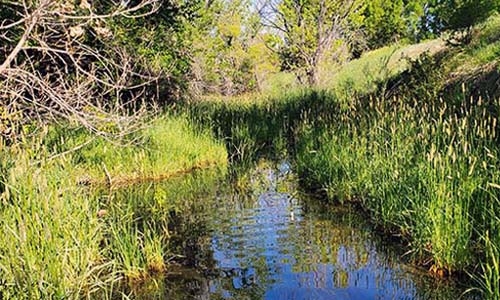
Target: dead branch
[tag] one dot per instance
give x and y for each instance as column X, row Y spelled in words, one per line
column 51, row 71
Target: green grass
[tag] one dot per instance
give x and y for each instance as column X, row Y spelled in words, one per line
column 53, row 243
column 279, row 82
column 50, row 233
column 484, row 47
column 423, row 170
column 363, row 75
column 491, row 268
column 167, row 144
column 366, row 74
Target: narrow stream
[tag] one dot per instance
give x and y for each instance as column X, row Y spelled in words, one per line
column 260, row 239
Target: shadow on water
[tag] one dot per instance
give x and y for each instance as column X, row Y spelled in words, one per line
column 258, row 237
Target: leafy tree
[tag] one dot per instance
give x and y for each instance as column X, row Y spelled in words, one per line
column 414, row 12
column 457, row 14
column 313, row 30
column 389, row 21
column 384, row 21
column 229, row 55
column 163, row 41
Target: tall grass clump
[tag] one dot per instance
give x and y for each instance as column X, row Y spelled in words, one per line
column 168, row 143
column 62, row 235
column 489, row 280
column 252, row 127
column 49, row 232
column 422, row 170
column 142, row 231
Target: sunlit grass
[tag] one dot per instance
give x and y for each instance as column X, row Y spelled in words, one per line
column 60, row 238
column 373, row 68
column 422, row 170
column 482, row 51
column 50, row 233
column 167, row 144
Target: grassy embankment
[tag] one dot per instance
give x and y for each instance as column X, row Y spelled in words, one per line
column 60, row 239
column 422, row 157
column 370, row 73
column 414, row 143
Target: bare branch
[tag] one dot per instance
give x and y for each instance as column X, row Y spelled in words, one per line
column 33, row 20
column 131, row 12
column 11, row 25
column 51, row 73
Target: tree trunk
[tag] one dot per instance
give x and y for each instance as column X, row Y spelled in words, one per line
column 312, row 76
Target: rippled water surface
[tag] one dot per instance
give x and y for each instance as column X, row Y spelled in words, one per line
column 259, row 239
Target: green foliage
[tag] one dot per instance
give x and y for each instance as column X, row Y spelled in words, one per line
column 229, row 51
column 314, row 31
column 459, row 14
column 384, row 21
column 389, row 21
column 55, row 241
column 160, row 42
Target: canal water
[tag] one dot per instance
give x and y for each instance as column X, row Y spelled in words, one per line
column 258, row 237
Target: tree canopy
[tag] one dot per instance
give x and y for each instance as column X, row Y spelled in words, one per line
column 457, row 14
column 313, row 30
column 390, row 21
column 103, row 52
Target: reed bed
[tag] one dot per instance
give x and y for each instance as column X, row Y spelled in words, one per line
column 63, row 239
column 428, row 172
column 267, row 126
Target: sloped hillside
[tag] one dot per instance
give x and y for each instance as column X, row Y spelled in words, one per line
column 456, row 63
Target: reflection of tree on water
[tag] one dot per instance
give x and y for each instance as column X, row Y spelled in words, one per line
column 188, row 285
column 266, row 243
column 309, row 250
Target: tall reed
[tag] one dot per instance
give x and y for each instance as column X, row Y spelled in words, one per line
column 423, row 170
column 62, row 239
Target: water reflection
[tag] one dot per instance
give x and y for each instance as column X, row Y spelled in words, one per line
column 274, row 249
column 267, row 242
